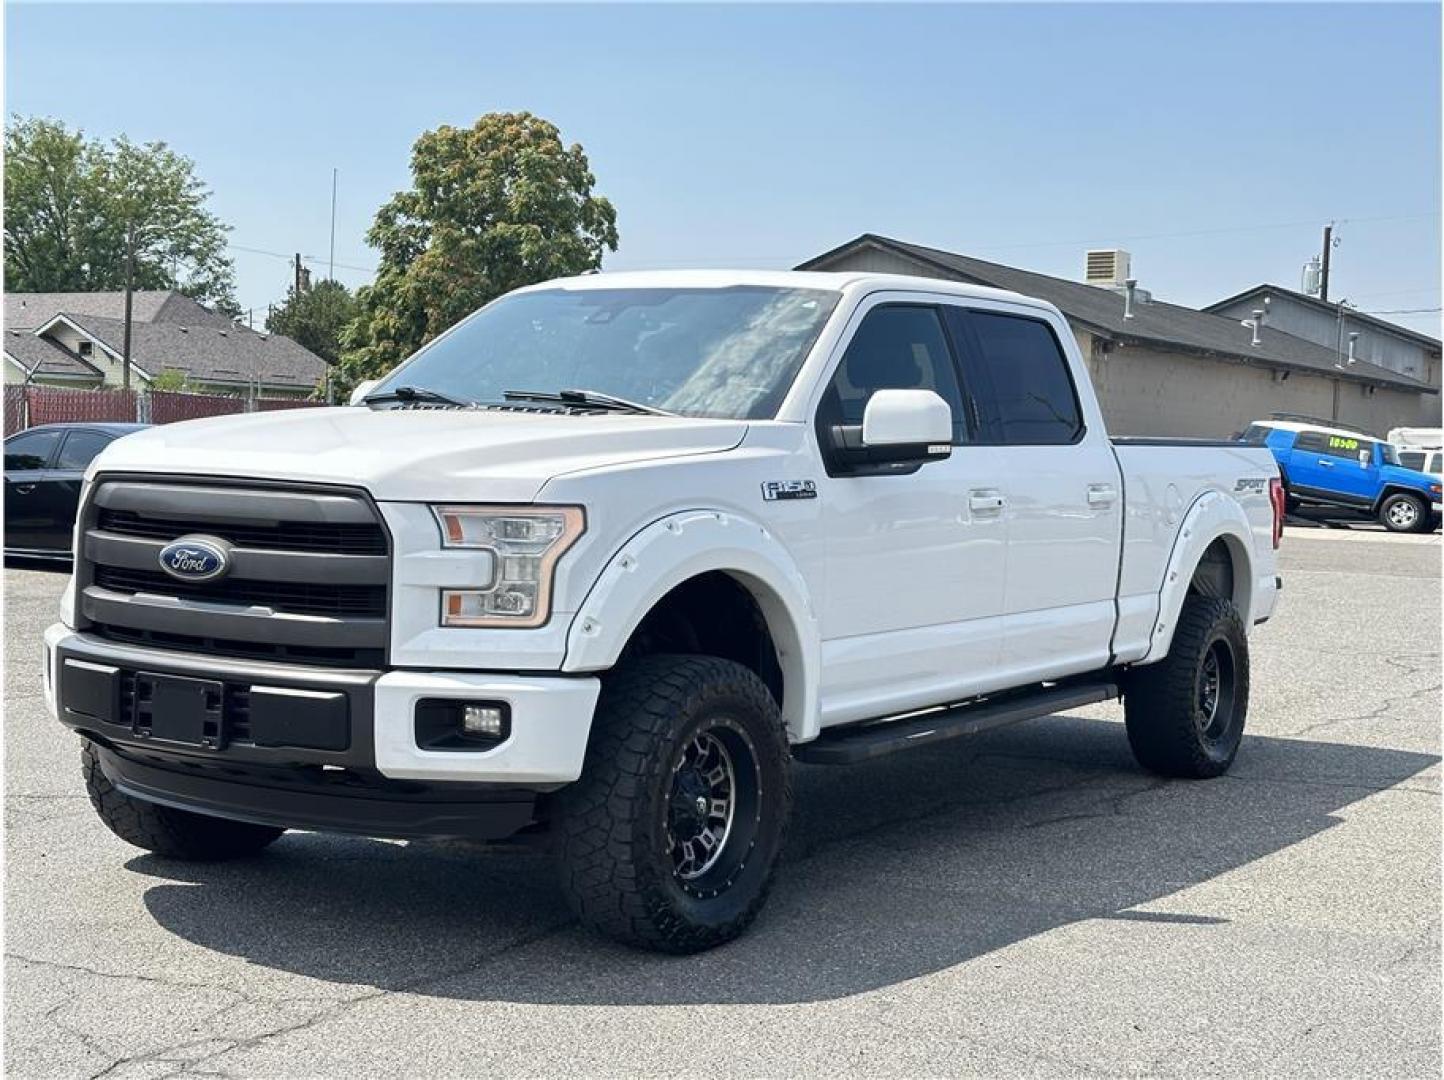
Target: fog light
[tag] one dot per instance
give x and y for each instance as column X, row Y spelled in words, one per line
column 449, row 724
column 483, row 721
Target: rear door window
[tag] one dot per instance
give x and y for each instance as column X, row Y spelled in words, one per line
column 1019, row 376
column 80, row 449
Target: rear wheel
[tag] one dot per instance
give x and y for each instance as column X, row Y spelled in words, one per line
column 1185, row 714
column 670, row 838
column 1404, row 513
column 176, row 834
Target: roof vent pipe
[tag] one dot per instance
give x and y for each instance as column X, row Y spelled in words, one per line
column 1128, row 286
column 1255, row 323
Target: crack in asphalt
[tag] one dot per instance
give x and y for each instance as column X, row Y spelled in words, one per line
column 1377, row 713
column 329, row 1010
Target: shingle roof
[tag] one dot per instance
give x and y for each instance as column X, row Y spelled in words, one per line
column 41, row 356
column 1383, row 325
column 229, row 354
column 29, row 310
column 1154, row 323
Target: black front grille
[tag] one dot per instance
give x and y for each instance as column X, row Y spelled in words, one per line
column 317, row 656
column 307, row 552
column 292, row 597
column 341, row 538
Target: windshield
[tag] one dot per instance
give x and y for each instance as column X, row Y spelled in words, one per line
column 729, row 352
column 1389, row 452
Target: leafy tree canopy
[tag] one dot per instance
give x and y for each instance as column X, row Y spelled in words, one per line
column 69, row 201
column 492, row 207
column 316, row 317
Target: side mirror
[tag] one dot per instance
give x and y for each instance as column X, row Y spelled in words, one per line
column 916, row 418
column 900, row 430
column 364, row 387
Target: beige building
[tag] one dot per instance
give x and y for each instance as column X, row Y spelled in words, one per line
column 1163, row 369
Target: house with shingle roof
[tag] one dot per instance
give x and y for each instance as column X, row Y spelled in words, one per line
column 1166, row 369
column 78, row 339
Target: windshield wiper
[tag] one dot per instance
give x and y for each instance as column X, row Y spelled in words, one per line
column 418, row 393
column 594, row 399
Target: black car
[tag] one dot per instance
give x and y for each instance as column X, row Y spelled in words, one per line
column 43, row 470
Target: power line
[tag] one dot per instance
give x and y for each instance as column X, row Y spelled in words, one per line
column 304, row 258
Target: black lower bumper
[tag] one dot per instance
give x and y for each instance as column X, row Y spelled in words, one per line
column 266, row 743
column 321, row 800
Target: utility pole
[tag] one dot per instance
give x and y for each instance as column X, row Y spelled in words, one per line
column 331, row 270
column 1328, row 246
column 298, row 277
column 129, row 291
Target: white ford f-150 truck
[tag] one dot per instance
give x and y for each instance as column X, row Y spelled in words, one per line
column 596, row 564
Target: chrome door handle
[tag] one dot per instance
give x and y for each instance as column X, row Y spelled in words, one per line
column 1101, row 494
column 1326, row 464
column 24, row 489
column 985, row 500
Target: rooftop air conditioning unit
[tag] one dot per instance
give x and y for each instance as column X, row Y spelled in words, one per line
column 1107, row 268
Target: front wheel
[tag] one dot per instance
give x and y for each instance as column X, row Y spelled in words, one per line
column 1185, row 714
column 670, row 838
column 1404, row 513
column 164, row 830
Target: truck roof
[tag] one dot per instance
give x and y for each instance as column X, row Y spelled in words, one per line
column 794, row 279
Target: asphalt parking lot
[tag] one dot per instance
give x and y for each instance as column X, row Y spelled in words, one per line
column 1025, row 903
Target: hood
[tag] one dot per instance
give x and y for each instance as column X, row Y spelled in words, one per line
column 415, row 455
column 1413, row 477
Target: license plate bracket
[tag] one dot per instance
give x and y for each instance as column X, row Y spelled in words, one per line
column 180, row 710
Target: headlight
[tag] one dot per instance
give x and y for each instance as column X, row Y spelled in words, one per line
column 525, row 543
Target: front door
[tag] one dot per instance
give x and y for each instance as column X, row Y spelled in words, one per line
column 1339, row 468
column 911, row 611
column 28, row 456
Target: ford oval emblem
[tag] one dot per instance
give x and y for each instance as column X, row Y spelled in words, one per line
column 195, row 558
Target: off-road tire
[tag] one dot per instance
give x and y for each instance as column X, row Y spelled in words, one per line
column 1162, row 701
column 175, row 834
column 612, row 833
column 1396, row 521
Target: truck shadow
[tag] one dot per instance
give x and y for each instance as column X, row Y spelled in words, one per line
column 894, row 870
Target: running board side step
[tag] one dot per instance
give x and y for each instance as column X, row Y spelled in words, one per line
column 850, row 743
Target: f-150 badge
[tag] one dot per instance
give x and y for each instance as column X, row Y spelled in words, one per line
column 773, row 490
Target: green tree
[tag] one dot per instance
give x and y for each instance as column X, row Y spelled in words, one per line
column 492, row 207
column 70, row 203
column 170, row 379
column 315, row 318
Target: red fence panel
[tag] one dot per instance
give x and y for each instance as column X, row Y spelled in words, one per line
column 14, row 409
column 167, row 407
column 267, row 404
column 54, row 405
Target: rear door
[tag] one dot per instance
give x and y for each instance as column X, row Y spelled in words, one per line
column 61, row 484
column 1061, row 487
column 28, row 456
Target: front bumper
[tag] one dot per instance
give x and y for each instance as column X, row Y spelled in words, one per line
column 276, row 720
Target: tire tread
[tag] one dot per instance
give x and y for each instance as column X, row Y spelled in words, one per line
column 164, row 830
column 606, row 873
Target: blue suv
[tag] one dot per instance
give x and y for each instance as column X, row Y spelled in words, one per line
column 1331, row 467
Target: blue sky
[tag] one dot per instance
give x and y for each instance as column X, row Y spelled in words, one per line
column 1212, row 141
